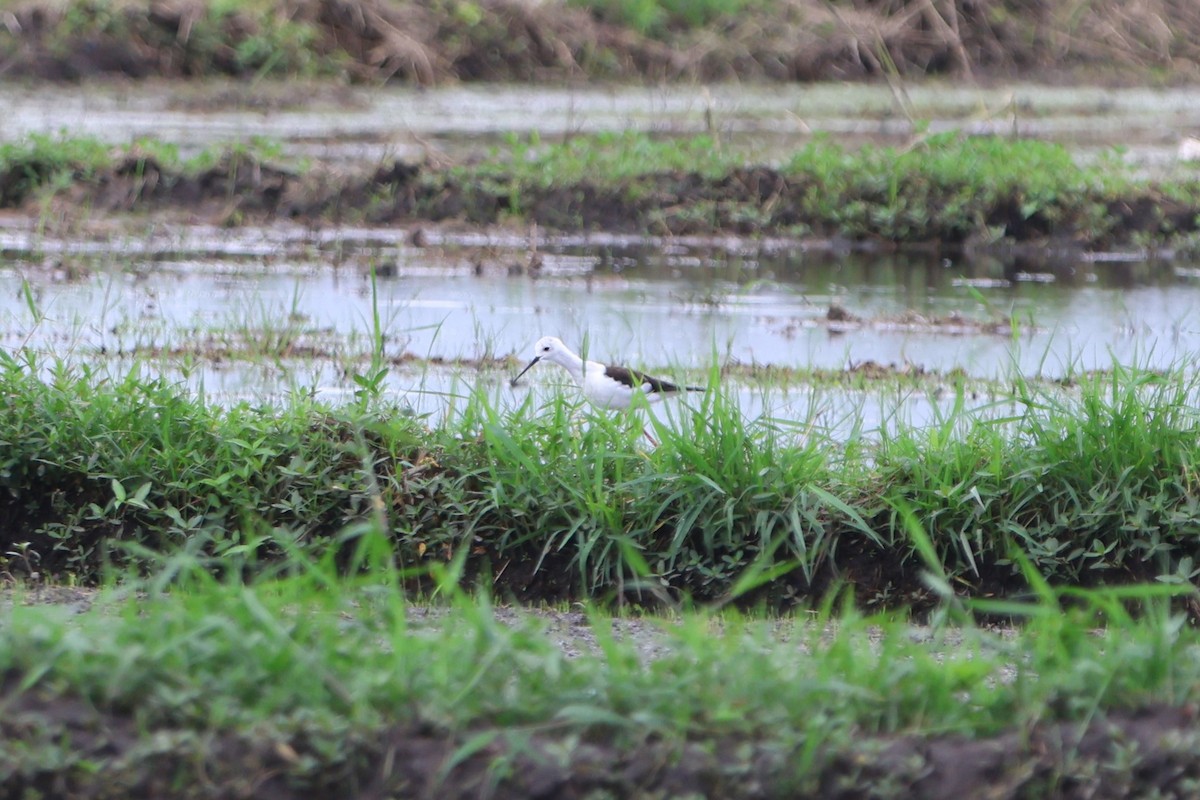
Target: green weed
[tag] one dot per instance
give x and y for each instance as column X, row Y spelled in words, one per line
column 951, row 186
column 1095, row 486
column 43, row 160
column 615, row 157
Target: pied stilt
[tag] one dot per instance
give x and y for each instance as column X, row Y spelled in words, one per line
column 605, row 386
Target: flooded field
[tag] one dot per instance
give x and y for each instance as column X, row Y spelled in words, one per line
column 768, row 122
column 279, row 522
column 252, row 313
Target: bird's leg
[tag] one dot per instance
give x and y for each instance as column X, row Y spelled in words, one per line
column 648, row 425
column 646, row 431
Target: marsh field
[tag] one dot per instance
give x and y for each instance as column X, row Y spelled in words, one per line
column 277, row 522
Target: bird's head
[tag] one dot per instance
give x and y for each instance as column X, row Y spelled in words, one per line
column 548, row 348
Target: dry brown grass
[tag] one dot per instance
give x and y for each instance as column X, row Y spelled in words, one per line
column 520, row 40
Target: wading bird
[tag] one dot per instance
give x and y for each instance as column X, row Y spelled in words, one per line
column 605, row 386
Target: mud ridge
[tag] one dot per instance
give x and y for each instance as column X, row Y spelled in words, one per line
column 101, row 753
column 241, row 189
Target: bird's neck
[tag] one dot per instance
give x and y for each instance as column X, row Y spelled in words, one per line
column 574, row 365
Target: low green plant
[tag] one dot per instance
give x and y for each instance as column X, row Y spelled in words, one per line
column 234, row 156
column 727, row 497
column 615, row 157
column 370, row 384
column 41, row 160
column 950, row 186
column 1095, row 485
column 143, row 463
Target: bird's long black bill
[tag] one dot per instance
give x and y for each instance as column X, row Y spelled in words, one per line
column 513, row 382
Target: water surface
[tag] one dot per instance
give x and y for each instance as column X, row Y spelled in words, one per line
column 264, row 312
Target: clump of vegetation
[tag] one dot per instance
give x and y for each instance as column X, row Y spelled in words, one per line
column 138, row 463
column 1088, row 487
column 950, row 186
column 40, row 161
column 614, row 157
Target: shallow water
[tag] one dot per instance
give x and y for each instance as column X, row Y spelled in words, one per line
column 652, row 303
column 301, row 303
column 301, row 299
column 769, row 122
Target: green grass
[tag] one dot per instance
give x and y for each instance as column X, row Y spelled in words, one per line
column 44, row 163
column 604, row 157
column 330, row 671
column 951, row 186
column 138, row 455
column 1094, row 484
column 40, row 161
column 1098, row 483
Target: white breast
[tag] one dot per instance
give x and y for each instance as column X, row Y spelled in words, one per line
column 605, row 392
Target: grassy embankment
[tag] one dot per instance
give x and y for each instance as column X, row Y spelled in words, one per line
column 1093, row 485
column 948, row 189
column 314, row 685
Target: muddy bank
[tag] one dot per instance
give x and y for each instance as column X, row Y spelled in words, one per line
column 746, row 201
column 513, row 40
column 73, row 749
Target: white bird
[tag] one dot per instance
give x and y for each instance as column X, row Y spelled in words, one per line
column 605, row 386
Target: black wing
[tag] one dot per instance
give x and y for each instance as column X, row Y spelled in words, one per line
column 636, row 380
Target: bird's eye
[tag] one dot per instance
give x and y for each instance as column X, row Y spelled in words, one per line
column 546, row 349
